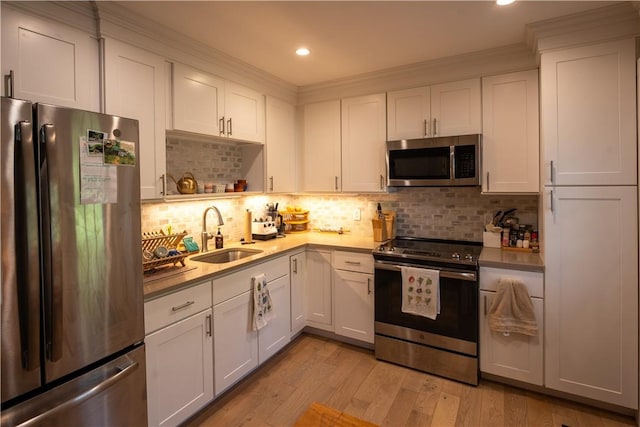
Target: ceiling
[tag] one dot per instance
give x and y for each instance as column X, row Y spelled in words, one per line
column 348, row 38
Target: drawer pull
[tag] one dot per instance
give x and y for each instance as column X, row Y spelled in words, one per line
column 182, row 306
column 353, row 262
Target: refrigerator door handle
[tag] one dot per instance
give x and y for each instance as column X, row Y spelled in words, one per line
column 27, row 266
column 87, row 394
column 51, row 245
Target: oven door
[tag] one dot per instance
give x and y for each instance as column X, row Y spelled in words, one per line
column 454, row 329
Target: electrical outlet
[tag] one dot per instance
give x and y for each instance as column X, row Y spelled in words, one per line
column 356, row 214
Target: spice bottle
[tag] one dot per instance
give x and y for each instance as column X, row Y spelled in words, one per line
column 219, row 240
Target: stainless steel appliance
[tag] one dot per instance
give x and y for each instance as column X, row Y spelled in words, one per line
column 448, row 345
column 443, row 161
column 72, row 299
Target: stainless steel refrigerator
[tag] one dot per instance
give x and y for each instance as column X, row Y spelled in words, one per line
column 72, row 323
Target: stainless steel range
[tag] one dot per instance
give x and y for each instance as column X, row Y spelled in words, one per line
column 448, row 345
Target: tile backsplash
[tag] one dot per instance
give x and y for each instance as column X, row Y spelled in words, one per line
column 449, row 213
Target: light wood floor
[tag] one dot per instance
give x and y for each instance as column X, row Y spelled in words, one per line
column 350, row 379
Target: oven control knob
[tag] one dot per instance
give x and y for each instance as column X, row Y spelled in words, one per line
column 455, row 255
column 468, row 257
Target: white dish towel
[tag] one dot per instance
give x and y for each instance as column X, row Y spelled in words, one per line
column 421, row 292
column 262, row 305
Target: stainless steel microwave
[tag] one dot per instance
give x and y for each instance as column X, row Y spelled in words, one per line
column 435, row 162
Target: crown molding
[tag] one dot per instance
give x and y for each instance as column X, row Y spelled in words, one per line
column 504, row 59
column 135, row 29
column 620, row 20
column 76, row 14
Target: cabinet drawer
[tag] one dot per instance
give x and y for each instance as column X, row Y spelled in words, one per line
column 236, row 283
column 533, row 280
column 179, row 305
column 353, row 261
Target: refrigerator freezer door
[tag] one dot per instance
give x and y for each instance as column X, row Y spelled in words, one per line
column 20, row 303
column 113, row 394
column 92, row 259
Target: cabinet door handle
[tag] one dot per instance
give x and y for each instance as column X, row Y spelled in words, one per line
column 426, row 127
column 551, row 172
column 488, row 187
column 162, row 180
column 336, row 182
column 368, row 286
column 295, row 266
column 8, row 84
column 271, row 183
column 182, row 306
column 221, row 125
column 229, row 127
column 209, row 327
column 382, row 182
column 435, row 127
column 551, row 201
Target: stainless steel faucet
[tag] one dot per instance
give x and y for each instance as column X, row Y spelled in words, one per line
column 206, row 236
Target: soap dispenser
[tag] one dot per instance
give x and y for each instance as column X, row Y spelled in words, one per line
column 219, row 240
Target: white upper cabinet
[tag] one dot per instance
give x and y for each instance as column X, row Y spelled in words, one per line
column 51, row 62
column 206, row 104
column 321, row 147
column 510, row 136
column 409, row 113
column 135, row 88
column 440, row 110
column 363, row 143
column 588, row 97
column 280, row 146
column 198, row 101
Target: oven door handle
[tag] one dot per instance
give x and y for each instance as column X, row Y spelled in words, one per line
column 471, row 277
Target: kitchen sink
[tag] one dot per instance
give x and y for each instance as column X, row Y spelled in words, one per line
column 225, row 255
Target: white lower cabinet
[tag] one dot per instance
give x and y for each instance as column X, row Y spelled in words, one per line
column 298, row 277
column 318, row 290
column 179, row 355
column 515, row 356
column 353, row 295
column 238, row 349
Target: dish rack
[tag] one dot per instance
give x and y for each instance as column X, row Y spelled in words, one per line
column 295, row 221
column 150, row 242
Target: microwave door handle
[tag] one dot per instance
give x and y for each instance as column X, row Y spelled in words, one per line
column 452, row 162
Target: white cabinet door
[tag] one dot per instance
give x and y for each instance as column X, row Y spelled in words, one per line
column 409, row 113
column 510, row 137
column 589, row 115
column 354, row 298
column 235, row 342
column 280, row 146
column 298, row 279
column 134, row 88
column 318, row 290
column 179, row 370
column 51, row 62
column 244, row 113
column 198, row 101
column 515, row 356
column 277, row 333
column 591, row 292
column 363, row 143
column 456, row 108
column 321, row 147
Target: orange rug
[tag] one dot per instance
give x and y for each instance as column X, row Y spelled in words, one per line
column 322, row 416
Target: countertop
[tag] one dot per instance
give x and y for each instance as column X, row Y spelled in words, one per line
column 153, row 287
column 270, row 248
column 496, row 257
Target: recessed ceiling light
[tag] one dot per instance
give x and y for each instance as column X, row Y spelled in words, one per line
column 504, row 2
column 303, row 51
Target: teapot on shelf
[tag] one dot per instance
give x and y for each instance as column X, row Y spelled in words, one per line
column 187, row 184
